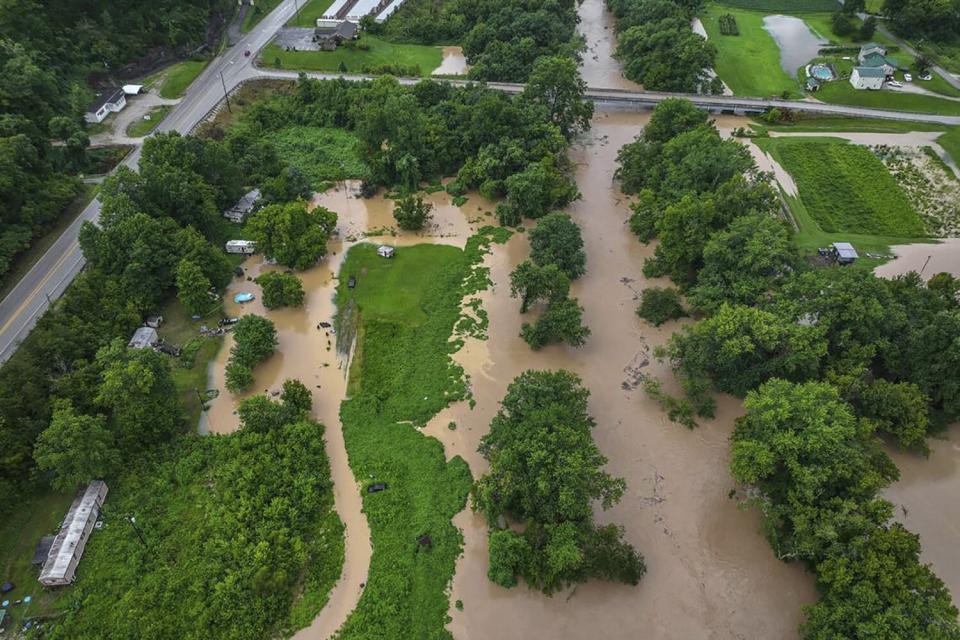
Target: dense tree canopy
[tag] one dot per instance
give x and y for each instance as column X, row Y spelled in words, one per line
column 292, row 234
column 280, row 289
column 76, row 448
column 254, row 339
column 557, row 240
column 546, row 471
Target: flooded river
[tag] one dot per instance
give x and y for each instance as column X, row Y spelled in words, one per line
column 599, row 68
column 308, row 354
column 711, row 573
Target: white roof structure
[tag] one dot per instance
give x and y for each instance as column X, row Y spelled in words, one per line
column 845, row 250
column 64, row 556
column 244, row 206
column 385, row 251
column 132, row 89
column 143, row 338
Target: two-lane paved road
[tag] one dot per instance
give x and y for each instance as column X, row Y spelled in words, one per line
column 51, row 275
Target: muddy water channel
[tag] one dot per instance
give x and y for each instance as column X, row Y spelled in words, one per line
column 711, row 573
column 454, row 63
column 307, row 353
column 599, row 68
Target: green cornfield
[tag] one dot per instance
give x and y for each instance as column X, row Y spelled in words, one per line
column 846, row 188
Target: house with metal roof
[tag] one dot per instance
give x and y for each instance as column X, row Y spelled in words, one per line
column 67, row 549
column 867, row 78
column 844, row 253
column 246, row 204
column 143, row 338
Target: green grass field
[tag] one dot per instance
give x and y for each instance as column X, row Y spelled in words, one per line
column 845, row 188
column 808, row 123
column 782, row 6
column 31, row 519
column 309, row 12
column 141, row 127
column 321, row 154
column 175, row 79
column 841, row 92
column 402, row 375
column 381, row 53
column 950, row 141
column 257, row 13
column 748, row 63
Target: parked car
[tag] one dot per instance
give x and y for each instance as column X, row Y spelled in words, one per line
column 926, row 77
column 908, row 77
column 246, row 53
column 377, row 487
column 893, row 84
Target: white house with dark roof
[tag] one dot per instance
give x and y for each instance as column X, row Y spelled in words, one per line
column 109, row 101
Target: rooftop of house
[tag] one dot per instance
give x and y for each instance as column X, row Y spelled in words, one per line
column 870, row 72
column 106, row 96
column 868, row 46
column 875, row 60
column 345, row 29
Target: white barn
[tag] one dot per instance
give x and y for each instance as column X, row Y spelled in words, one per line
column 867, row 78
column 61, row 565
column 110, row 101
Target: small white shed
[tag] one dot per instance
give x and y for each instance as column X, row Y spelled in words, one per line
column 143, row 338
column 385, row 251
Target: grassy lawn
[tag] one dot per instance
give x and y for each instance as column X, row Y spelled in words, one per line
column 841, row 92
column 809, row 123
column 309, row 12
column 381, row 53
column 846, row 194
column 32, row 518
column 321, row 154
column 748, row 63
column 23, row 262
column 258, row 13
column 782, row 6
column 142, row 127
column 175, row 79
column 401, row 376
column 950, row 141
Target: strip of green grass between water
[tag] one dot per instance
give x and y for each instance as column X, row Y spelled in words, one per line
column 405, row 311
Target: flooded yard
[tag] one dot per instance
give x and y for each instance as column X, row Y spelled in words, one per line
column 798, row 44
column 307, row 352
column 454, row 63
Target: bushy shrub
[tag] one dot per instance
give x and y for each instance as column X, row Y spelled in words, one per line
column 658, row 305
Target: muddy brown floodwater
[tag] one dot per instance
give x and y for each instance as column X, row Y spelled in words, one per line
column 711, row 572
column 454, row 63
column 308, row 354
column 599, row 68
column 926, row 494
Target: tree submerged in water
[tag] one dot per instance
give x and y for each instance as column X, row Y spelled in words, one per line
column 545, row 472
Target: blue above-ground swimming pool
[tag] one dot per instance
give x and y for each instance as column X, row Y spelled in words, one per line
column 821, row 72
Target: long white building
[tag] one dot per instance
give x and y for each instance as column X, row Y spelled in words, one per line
column 64, row 556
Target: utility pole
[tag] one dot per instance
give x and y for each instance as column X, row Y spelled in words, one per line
column 226, row 96
column 133, row 523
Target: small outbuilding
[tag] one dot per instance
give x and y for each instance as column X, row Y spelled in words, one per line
column 867, row 78
column 144, row 338
column 385, row 251
column 132, row 89
column 109, row 101
column 844, row 253
column 813, row 84
column 67, row 549
column 243, row 208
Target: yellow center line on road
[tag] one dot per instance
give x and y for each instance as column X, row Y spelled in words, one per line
column 33, row 294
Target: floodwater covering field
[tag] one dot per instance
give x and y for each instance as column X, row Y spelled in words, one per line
column 798, row 44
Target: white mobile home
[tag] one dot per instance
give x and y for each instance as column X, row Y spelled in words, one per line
column 67, row 548
column 241, row 246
